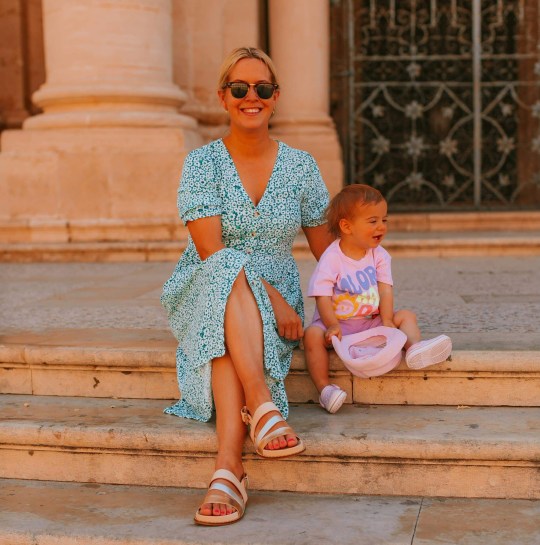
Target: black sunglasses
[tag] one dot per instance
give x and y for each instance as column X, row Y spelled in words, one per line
column 239, row 89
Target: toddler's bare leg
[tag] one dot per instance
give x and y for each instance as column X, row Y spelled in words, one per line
column 316, row 356
column 405, row 321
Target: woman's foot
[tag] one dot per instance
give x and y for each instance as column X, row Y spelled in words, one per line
column 283, row 441
column 220, row 509
column 267, row 421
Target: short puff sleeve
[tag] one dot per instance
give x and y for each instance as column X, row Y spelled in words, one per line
column 198, row 193
column 323, row 280
column 315, row 197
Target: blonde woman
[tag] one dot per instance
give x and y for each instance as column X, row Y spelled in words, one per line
column 234, row 299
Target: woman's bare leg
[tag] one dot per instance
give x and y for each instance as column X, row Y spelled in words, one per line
column 239, row 370
column 245, row 344
column 231, row 431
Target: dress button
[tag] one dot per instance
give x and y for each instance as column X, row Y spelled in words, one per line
column 257, row 213
column 253, row 234
column 249, row 251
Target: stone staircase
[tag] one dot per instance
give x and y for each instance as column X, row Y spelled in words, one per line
column 447, row 455
column 132, row 240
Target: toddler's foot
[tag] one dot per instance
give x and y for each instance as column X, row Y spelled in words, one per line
column 332, row 398
column 425, row 353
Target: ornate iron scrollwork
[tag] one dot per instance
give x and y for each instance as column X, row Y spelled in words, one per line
column 438, row 103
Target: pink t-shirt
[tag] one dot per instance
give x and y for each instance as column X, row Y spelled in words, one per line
column 351, row 283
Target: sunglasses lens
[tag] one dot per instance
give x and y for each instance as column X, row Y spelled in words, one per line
column 239, row 90
column 264, row 90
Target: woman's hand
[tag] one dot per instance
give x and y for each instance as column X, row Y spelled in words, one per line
column 332, row 331
column 289, row 324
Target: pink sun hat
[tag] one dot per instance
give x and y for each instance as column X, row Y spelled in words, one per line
column 371, row 353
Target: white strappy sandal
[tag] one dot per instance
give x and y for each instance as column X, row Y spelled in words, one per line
column 221, row 493
column 264, row 436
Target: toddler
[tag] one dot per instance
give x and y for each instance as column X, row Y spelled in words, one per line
column 352, row 285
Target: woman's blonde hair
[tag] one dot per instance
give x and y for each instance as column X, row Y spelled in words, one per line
column 344, row 204
column 244, row 53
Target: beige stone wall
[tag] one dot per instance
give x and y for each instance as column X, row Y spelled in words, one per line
column 121, row 91
column 35, row 56
column 300, row 47
column 110, row 142
column 12, row 78
column 22, row 65
column 204, row 32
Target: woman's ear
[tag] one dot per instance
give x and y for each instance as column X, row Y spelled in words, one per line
column 221, row 98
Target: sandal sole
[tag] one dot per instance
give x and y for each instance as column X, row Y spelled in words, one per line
column 204, row 520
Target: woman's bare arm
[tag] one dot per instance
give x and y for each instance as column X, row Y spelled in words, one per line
column 206, row 235
column 318, row 239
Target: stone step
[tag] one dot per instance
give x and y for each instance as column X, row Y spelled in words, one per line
column 406, row 244
column 46, row 513
column 489, row 452
column 472, row 377
column 41, row 230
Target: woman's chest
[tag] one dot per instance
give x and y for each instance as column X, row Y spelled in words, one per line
column 277, row 213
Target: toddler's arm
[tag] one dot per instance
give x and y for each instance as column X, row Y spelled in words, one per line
column 386, row 304
column 328, row 317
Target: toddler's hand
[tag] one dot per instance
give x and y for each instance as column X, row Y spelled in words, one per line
column 330, row 332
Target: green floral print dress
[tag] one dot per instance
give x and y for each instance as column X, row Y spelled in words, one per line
column 258, row 239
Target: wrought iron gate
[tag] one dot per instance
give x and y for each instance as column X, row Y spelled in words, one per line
column 438, row 101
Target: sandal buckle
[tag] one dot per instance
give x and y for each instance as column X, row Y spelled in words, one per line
column 246, row 417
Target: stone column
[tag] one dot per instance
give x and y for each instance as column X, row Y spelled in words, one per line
column 12, row 82
column 105, row 155
column 108, row 64
column 300, row 48
column 204, row 33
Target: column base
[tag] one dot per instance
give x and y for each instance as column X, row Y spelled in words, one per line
column 117, row 119
column 92, row 174
column 321, row 140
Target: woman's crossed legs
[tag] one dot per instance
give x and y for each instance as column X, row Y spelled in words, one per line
column 238, row 380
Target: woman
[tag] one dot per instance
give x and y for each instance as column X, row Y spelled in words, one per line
column 234, row 299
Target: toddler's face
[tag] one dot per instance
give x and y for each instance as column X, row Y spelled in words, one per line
column 368, row 227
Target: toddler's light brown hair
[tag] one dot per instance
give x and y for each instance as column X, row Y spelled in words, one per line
column 343, row 205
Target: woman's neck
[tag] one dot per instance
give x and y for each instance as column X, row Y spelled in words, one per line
column 252, row 143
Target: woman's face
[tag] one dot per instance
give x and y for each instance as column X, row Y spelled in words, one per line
column 250, row 112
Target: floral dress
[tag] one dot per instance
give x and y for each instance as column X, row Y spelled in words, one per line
column 258, row 239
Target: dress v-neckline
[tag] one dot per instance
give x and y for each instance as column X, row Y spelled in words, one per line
column 242, row 187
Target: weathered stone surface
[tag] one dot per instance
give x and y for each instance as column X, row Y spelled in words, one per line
column 383, row 450
column 122, row 515
column 99, row 330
